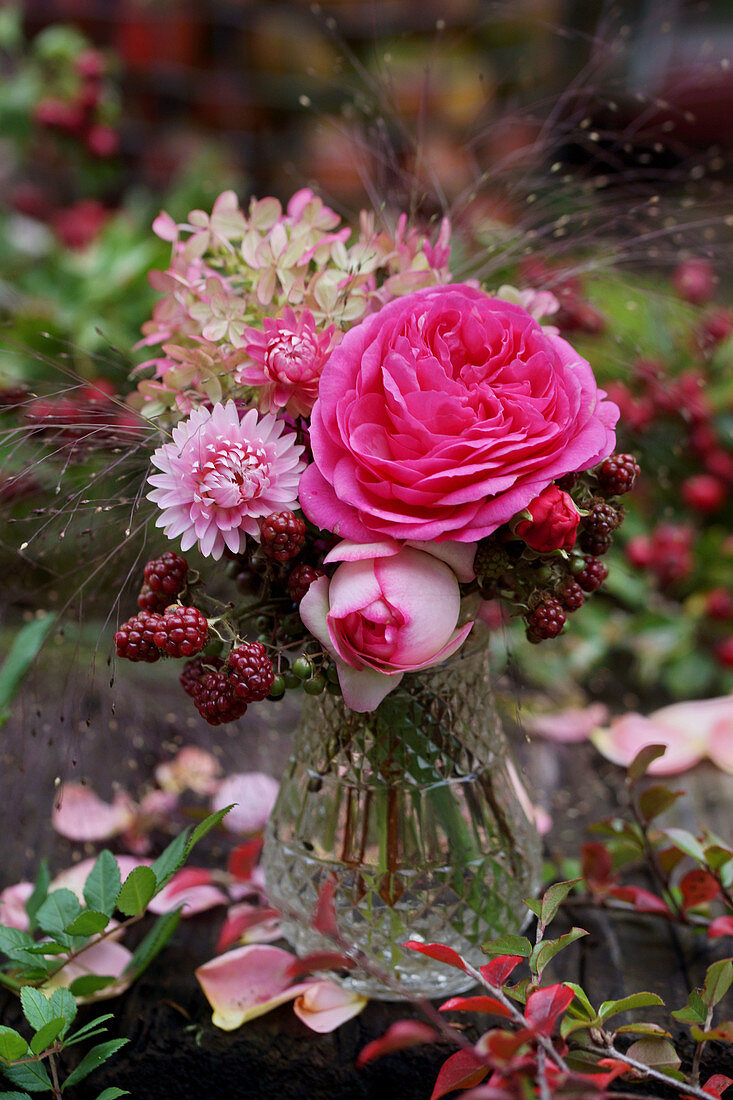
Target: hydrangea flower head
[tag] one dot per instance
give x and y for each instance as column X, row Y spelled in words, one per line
column 287, row 356
column 220, row 473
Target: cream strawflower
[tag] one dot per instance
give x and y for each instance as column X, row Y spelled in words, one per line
column 221, row 473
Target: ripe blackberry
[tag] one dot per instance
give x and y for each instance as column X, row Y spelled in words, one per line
column 592, row 575
column 546, row 621
column 571, row 596
column 300, row 580
column 617, row 474
column 282, row 535
column 167, row 574
column 182, row 631
column 598, row 527
column 567, row 482
column 135, row 640
column 251, row 672
column 148, row 600
column 195, row 670
column 216, row 700
column 593, row 544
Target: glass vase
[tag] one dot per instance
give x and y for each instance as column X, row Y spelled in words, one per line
column 415, row 816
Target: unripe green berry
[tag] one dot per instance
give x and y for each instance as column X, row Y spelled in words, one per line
column 277, row 690
column 315, row 686
column 303, row 667
column 291, row 680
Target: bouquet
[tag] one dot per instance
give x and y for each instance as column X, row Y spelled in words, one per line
column 383, row 456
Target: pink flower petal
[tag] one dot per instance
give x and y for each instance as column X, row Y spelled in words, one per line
column 74, row 877
column 622, row 740
column 253, row 795
column 720, row 744
column 191, row 890
column 574, row 724
column 191, row 769
column 12, row 905
column 81, row 815
column 246, row 983
column 106, row 958
column 324, row 1006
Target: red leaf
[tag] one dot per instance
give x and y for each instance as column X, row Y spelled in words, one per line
column 500, row 1046
column 476, row 1004
column 596, row 866
column 319, row 960
column 697, row 887
column 438, row 952
column 721, row 926
column 499, row 969
column 717, row 1084
column 616, row 1069
column 545, row 1005
column 642, row 900
column 400, row 1036
column 324, row 914
column 243, row 859
column 460, row 1071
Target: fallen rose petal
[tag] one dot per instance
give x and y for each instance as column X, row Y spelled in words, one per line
column 105, row 958
column 191, row 769
column 12, row 905
column 80, row 814
column 253, row 795
column 243, row 918
column 324, row 1006
column 623, row 739
column 191, row 890
column 73, row 878
column 571, row 725
column 720, row 743
column 247, row 982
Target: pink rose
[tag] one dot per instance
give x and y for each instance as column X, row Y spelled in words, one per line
column 386, row 611
column 554, row 522
column 443, row 415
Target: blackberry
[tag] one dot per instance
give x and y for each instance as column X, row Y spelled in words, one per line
column 251, row 672
column 282, row 535
column 135, row 640
column 567, row 482
column 182, row 631
column 167, row 574
column 546, row 621
column 216, row 700
column 195, row 670
column 571, row 596
column 148, row 600
column 597, row 531
column 592, row 575
column 617, row 474
column 300, row 580
column 594, row 544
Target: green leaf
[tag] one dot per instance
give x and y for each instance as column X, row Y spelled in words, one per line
column 46, row 1035
column 16, row 945
column 508, row 945
column 40, row 892
column 722, row 1032
column 655, row 800
column 88, row 923
column 687, row 843
column 58, row 910
column 87, row 984
column 31, row 1076
column 112, row 1093
column 547, row 949
column 644, row 757
column 170, row 860
column 63, row 1003
column 103, row 884
column 12, row 1045
column 137, row 891
column 553, row 899
column 23, row 652
column 718, row 981
column 92, row 1060
column 581, row 1005
column 14, row 1096
column 694, row 1012
column 153, row 943
column 625, row 1004
column 534, row 904
column 643, row 1029
column 206, row 826
column 93, row 1025
column 36, row 1007
column 655, row 1052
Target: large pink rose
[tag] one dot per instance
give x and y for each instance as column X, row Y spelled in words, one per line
column 386, row 611
column 443, row 415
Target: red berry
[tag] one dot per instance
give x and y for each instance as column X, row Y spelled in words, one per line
column 592, row 575
column 182, row 631
column 135, row 640
column 195, row 670
column 59, row 114
column 546, row 621
column 167, row 574
column 719, row 604
column 715, row 328
column 216, row 700
column 251, row 671
column 724, row 652
column 102, row 141
column 617, row 474
column 282, row 535
column 300, row 580
column 90, row 64
column 694, row 280
column 703, row 492
column 148, row 600
column 571, row 596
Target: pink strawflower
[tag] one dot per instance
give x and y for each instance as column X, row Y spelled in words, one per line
column 288, row 357
column 221, row 473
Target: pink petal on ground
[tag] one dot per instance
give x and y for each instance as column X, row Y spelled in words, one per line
column 720, row 744
column 254, row 795
column 244, row 919
column 105, row 958
column 73, row 878
column 573, row 724
column 324, row 1006
column 246, row 983
column 191, row 769
column 80, row 814
column 192, row 890
column 12, row 905
column 622, row 740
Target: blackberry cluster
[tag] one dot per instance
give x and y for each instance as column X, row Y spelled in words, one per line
column 282, row 536
column 182, row 632
column 250, row 672
column 571, row 596
column 596, row 533
column 546, row 620
column 617, row 474
column 300, row 580
column 165, row 579
column 135, row 640
column 592, row 575
column 216, row 700
column 196, row 669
